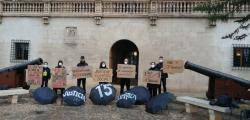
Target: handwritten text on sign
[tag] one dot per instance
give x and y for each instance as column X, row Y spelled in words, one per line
column 126, row 71
column 34, row 74
column 82, row 72
column 153, row 77
column 103, row 75
column 173, row 66
column 59, row 76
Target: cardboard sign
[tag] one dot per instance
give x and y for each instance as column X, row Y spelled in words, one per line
column 126, row 71
column 153, row 77
column 82, row 72
column 173, row 66
column 34, row 74
column 59, row 76
column 103, row 75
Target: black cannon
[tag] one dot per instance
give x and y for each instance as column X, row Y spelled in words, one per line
column 14, row 76
column 222, row 83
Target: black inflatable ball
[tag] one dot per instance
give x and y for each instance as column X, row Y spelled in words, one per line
column 126, row 100
column 102, row 94
column 159, row 103
column 44, row 95
column 142, row 94
column 74, row 96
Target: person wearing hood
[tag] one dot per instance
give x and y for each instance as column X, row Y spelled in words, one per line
column 59, row 65
column 46, row 75
column 103, row 66
column 152, row 88
column 164, row 76
column 124, row 81
column 82, row 63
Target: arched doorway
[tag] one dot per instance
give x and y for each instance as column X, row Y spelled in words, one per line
column 119, row 51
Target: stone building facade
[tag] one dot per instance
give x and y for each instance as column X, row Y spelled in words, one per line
column 102, row 29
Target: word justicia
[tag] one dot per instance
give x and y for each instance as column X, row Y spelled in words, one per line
column 127, row 96
column 75, row 94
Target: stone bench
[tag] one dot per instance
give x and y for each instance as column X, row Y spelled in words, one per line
column 13, row 93
column 191, row 104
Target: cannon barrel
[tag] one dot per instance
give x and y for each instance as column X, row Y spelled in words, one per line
column 22, row 66
column 216, row 74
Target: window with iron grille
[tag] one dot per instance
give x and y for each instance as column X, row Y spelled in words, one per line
column 241, row 56
column 19, row 51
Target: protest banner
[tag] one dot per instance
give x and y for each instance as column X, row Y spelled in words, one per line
column 173, row 66
column 82, row 72
column 59, row 77
column 151, row 76
column 126, row 71
column 34, row 74
column 103, row 75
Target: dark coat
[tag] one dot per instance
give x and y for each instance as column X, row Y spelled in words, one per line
column 159, row 66
column 153, row 85
column 48, row 76
column 82, row 64
column 59, row 66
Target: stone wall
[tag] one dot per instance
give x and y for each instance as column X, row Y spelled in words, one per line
column 176, row 38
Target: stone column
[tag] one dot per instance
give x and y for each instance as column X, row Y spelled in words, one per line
column 98, row 12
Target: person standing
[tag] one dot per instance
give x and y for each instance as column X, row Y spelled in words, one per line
column 152, row 88
column 124, row 81
column 82, row 63
column 46, row 75
column 103, row 66
column 59, row 65
column 164, row 76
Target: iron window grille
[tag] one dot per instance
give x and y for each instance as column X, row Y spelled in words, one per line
column 20, row 51
column 241, row 56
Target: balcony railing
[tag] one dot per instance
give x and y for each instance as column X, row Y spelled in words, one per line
column 107, row 8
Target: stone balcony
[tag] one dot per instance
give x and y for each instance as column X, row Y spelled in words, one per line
column 98, row 9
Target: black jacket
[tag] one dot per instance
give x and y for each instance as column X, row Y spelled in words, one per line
column 46, row 71
column 159, row 66
column 59, row 66
column 81, row 64
column 149, row 84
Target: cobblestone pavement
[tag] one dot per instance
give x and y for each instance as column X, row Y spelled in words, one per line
column 28, row 109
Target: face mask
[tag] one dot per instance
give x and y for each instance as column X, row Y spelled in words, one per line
column 161, row 60
column 152, row 66
column 103, row 65
column 126, row 62
column 60, row 64
column 45, row 66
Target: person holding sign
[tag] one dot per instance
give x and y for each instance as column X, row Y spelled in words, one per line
column 152, row 88
column 164, row 76
column 103, row 66
column 82, row 80
column 59, row 65
column 125, row 81
column 46, row 75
